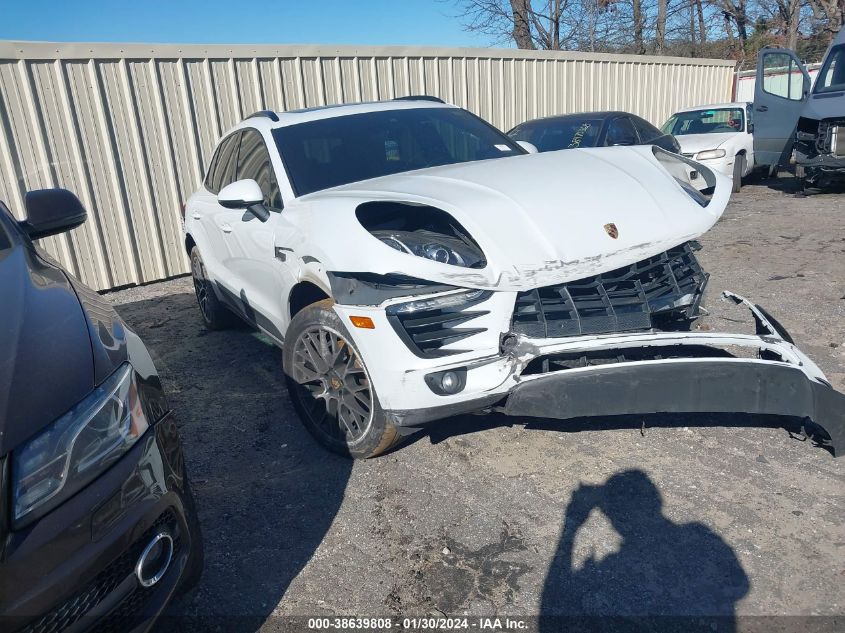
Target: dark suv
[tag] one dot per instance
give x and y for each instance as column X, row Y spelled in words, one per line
column 97, row 522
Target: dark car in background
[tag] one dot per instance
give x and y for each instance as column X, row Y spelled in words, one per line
column 592, row 129
column 97, row 522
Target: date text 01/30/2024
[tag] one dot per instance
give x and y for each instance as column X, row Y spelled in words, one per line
column 417, row 624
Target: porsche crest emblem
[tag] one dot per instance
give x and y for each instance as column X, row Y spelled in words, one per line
column 611, row 230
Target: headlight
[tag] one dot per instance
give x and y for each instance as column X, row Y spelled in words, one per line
column 443, row 302
column 709, row 154
column 434, row 246
column 78, row 446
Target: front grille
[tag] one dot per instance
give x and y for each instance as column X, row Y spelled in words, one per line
column 627, row 299
column 107, row 581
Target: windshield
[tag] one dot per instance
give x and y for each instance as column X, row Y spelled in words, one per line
column 711, row 121
column 832, row 75
column 555, row 134
column 339, row 150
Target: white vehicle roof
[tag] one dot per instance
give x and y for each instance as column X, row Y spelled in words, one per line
column 715, row 106
column 294, row 117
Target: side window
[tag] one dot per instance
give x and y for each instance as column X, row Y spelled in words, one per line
column 222, row 171
column 646, row 130
column 782, row 77
column 209, row 176
column 621, row 132
column 832, row 75
column 254, row 162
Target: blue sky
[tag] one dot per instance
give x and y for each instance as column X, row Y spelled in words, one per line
column 408, row 22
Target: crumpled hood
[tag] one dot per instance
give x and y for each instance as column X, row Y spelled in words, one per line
column 693, row 143
column 46, row 364
column 540, row 218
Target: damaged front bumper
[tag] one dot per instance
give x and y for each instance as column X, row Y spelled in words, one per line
column 683, row 386
column 628, row 373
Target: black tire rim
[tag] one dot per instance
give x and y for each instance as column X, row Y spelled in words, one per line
column 332, row 385
column 201, row 287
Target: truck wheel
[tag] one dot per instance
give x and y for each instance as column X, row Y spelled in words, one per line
column 739, row 169
column 330, row 388
column 215, row 315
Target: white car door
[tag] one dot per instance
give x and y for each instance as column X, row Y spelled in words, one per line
column 263, row 275
column 215, row 220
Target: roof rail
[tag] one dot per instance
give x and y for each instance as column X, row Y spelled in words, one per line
column 268, row 113
column 420, row 98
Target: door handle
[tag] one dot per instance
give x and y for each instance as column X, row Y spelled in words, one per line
column 762, row 108
column 226, row 228
column 196, row 216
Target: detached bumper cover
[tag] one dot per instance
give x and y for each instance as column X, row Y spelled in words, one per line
column 701, row 386
column 736, row 385
column 639, row 373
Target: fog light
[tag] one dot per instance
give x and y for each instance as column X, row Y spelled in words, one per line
column 447, row 383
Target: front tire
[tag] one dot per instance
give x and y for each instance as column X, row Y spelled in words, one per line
column 330, row 387
column 739, row 170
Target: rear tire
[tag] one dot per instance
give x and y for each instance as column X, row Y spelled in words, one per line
column 739, row 169
column 214, row 314
column 330, row 387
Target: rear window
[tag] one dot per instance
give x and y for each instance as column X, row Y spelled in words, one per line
column 556, row 134
column 646, row 130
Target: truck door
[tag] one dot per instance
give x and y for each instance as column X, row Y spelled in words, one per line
column 780, row 91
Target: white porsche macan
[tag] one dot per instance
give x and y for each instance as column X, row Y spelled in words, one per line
column 413, row 263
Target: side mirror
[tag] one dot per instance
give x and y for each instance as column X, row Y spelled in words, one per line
column 750, row 128
column 240, row 194
column 51, row 211
column 244, row 194
column 528, row 147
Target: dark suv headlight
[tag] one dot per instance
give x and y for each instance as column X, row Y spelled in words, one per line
column 77, row 447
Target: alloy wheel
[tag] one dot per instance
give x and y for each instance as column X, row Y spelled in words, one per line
column 333, row 386
column 201, row 287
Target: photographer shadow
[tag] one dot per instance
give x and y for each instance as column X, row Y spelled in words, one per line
column 665, row 575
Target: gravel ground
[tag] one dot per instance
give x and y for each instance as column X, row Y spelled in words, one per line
column 725, row 516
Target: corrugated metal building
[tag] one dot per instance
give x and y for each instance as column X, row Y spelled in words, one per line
column 130, row 128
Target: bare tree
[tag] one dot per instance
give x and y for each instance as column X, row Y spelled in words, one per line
column 715, row 28
column 829, row 15
column 521, row 15
column 639, row 41
column 790, row 12
column 702, row 28
column 736, row 12
column 660, row 27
